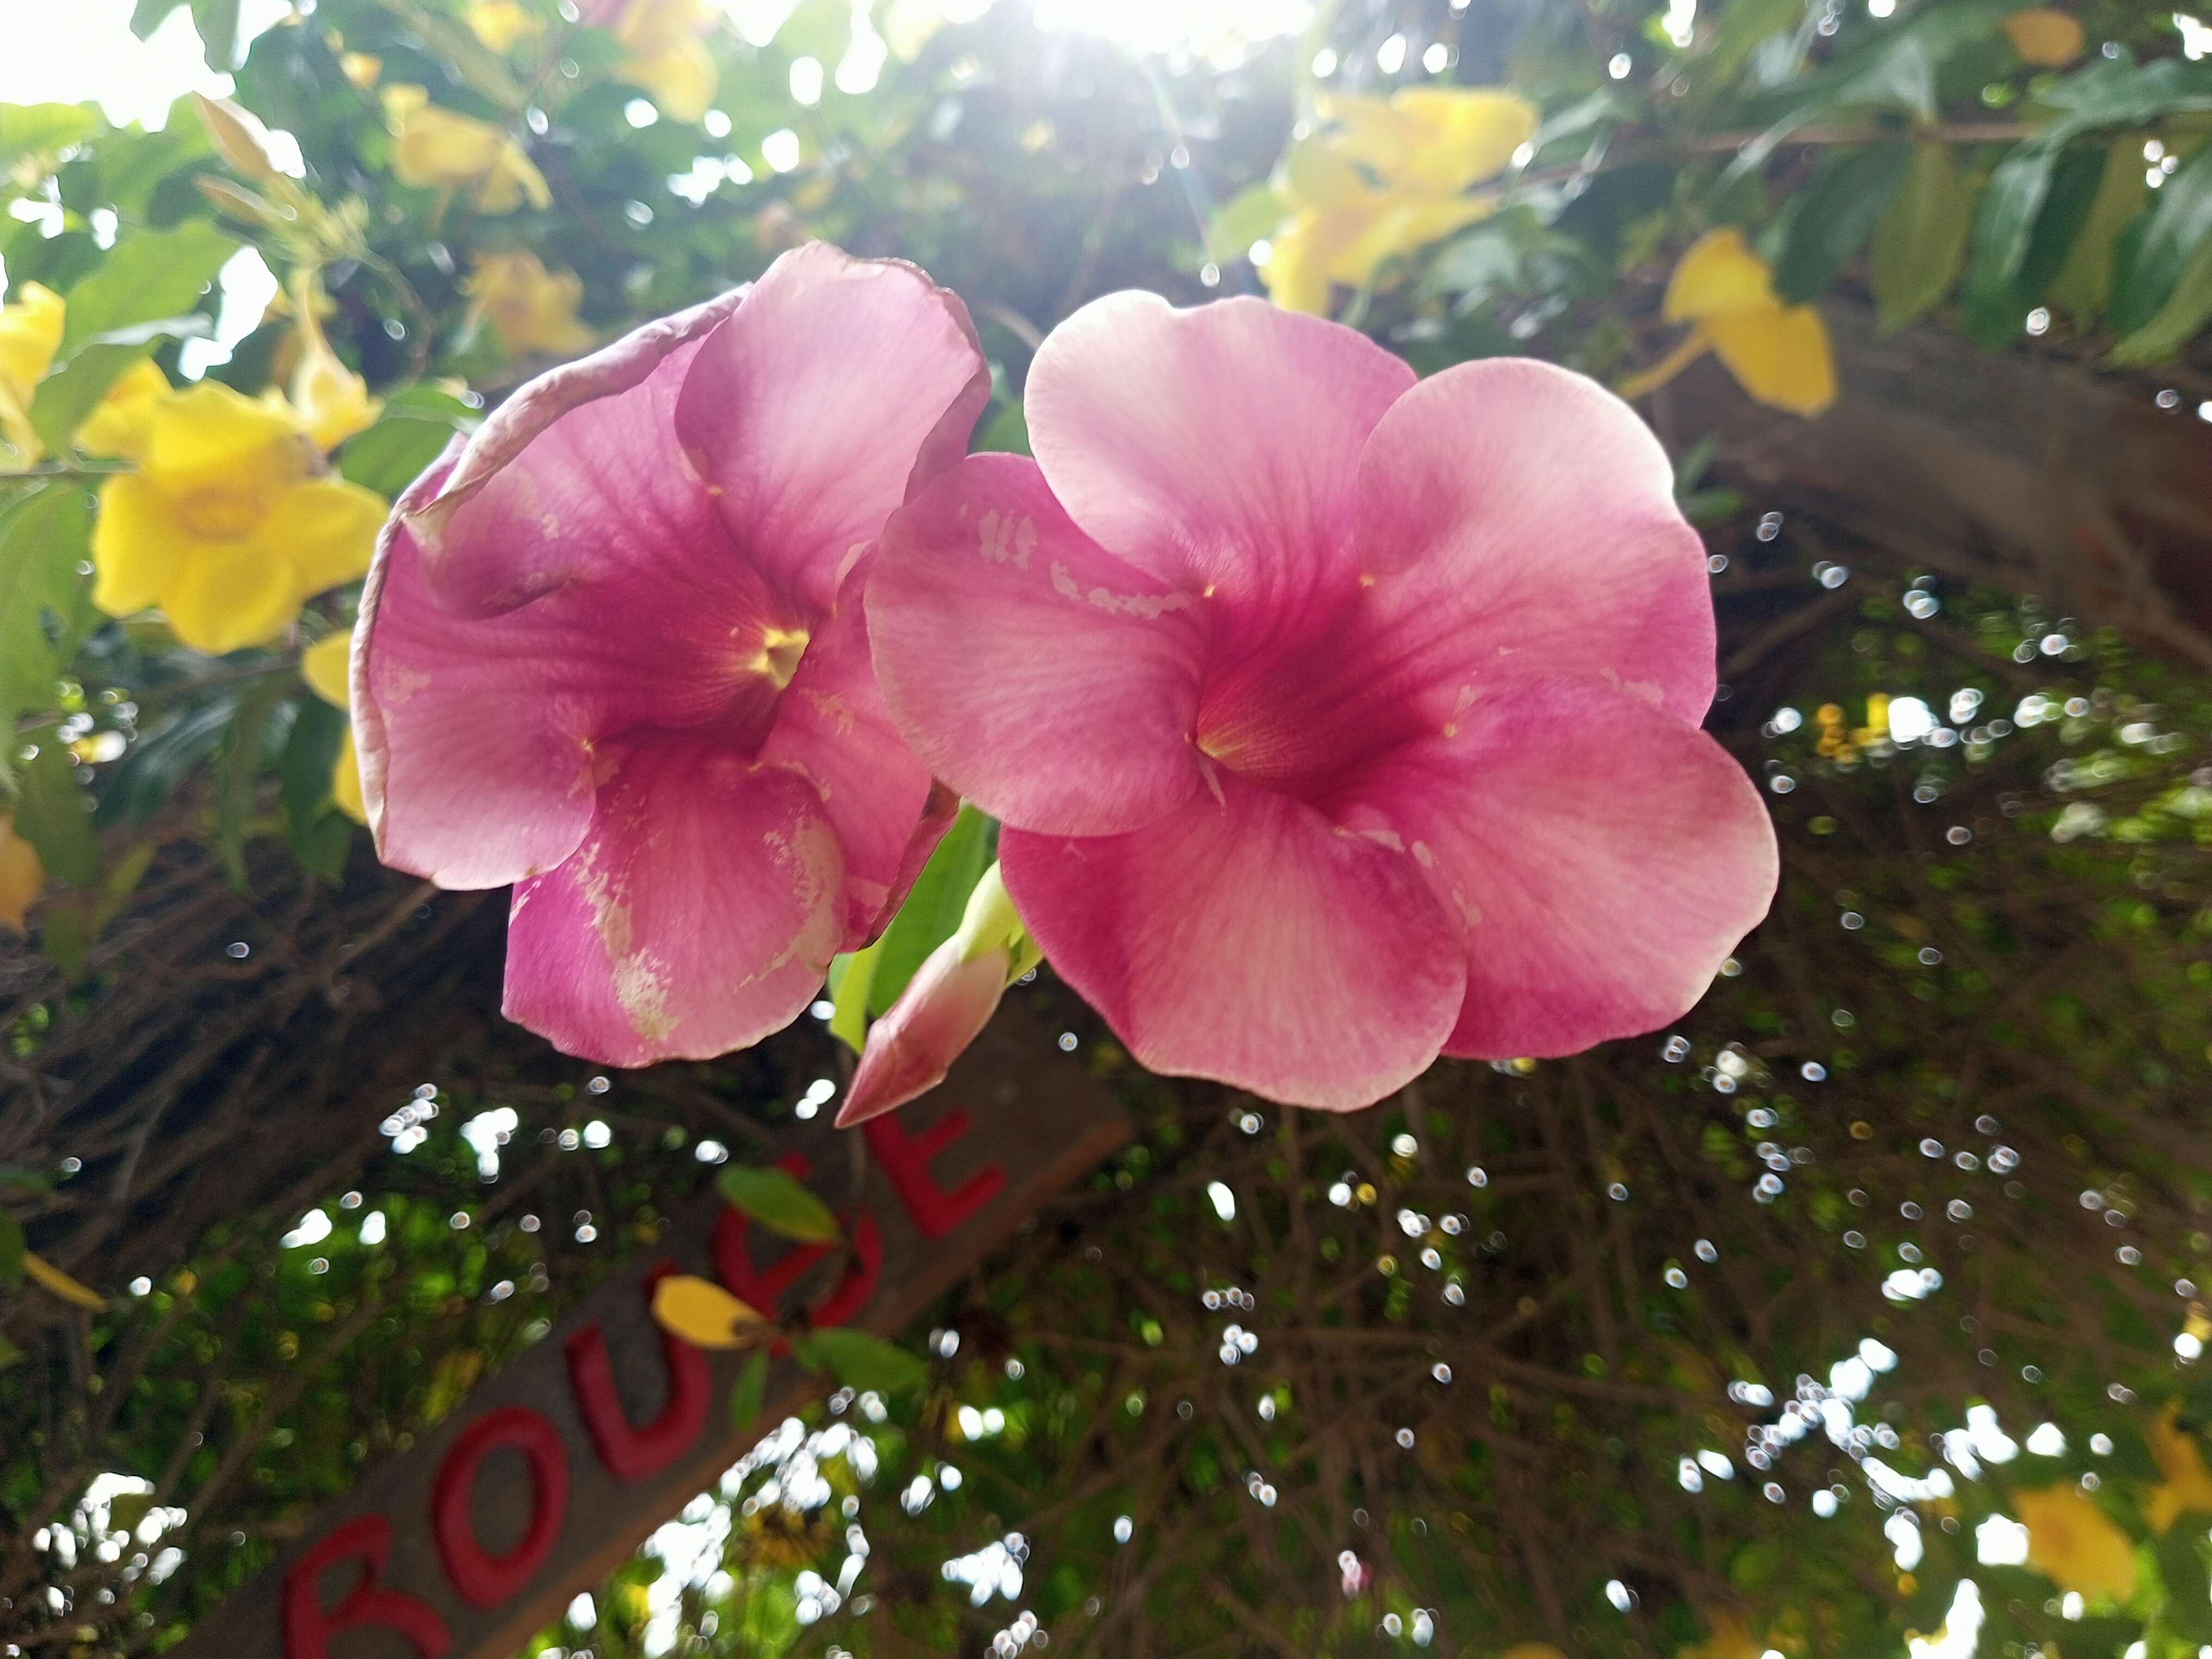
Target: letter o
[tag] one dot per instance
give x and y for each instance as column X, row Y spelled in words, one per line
column 484, row 1578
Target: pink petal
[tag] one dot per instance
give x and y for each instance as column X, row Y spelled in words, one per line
column 1032, row 670
column 1600, row 858
column 477, row 734
column 576, row 476
column 1217, row 448
column 824, row 349
column 1247, row 940
column 1514, row 514
column 833, row 730
column 699, row 914
column 947, row 1003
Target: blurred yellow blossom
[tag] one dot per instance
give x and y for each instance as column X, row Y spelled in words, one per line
column 21, row 875
column 2186, row 1486
column 1779, row 354
column 226, row 526
column 331, row 401
column 666, row 57
column 2046, row 36
column 447, row 150
column 30, row 334
column 2074, row 1544
column 361, row 68
column 325, row 665
column 1391, row 177
column 502, row 25
column 118, row 425
column 529, row 307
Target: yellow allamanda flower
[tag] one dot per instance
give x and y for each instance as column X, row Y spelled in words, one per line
column 2186, row 1486
column 2044, row 37
column 325, row 666
column 666, row 57
column 331, row 401
column 502, row 25
column 1391, row 177
column 1779, row 354
column 226, row 526
column 2074, row 1544
column 118, row 425
column 23, row 876
column 529, row 307
column 30, row 334
column 447, row 150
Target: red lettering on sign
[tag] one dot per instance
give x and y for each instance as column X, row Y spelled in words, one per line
column 906, row 1161
column 484, row 1578
column 308, row 1629
column 764, row 1286
column 633, row 1452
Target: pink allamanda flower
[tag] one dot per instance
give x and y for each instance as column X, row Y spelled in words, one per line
column 612, row 650
column 1334, row 720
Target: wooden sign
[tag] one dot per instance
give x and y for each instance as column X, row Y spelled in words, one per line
column 550, row 1474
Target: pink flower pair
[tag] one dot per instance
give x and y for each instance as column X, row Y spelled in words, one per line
column 1334, row 721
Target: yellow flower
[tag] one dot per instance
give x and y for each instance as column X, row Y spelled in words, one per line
column 224, row 526
column 530, row 308
column 331, row 401
column 118, row 425
column 2187, row 1486
column 361, row 68
column 1391, row 178
column 666, row 56
column 2071, row 1542
column 501, row 25
column 2044, row 37
column 21, row 875
column 447, row 150
column 325, row 665
column 1778, row 353
column 30, row 334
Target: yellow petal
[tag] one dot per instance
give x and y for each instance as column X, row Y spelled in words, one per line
column 51, row 1278
column 1296, row 271
column 1694, row 345
column 2187, row 1486
column 221, row 456
column 654, row 26
column 324, row 665
column 1402, row 225
column 401, row 100
column 324, row 529
column 30, row 334
column 2044, row 37
column 23, row 876
column 1781, row 357
column 1718, row 274
column 1466, row 134
column 361, row 68
column 444, row 148
column 1315, row 173
column 137, row 546
column 331, row 402
column 501, row 25
column 530, row 309
column 702, row 1313
column 681, row 77
column 227, row 596
column 2074, row 1543
column 512, row 179
column 345, row 782
column 120, row 423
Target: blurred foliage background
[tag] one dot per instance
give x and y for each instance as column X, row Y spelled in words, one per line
column 1861, row 1311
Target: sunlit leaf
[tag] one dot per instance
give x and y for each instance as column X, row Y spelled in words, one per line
column 703, row 1314
column 1921, row 242
column 858, row 1360
column 780, row 1202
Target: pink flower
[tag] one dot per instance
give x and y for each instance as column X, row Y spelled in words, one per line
column 612, row 651
column 1334, row 720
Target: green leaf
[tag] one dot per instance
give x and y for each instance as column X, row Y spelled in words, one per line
column 218, row 22
column 1008, row 431
column 1838, row 212
column 44, row 534
column 2017, row 257
column 149, row 14
column 395, row 452
column 1744, row 26
column 780, row 1202
column 320, row 835
column 117, row 314
column 1921, row 241
column 241, row 773
column 1247, row 217
column 2186, row 310
column 932, row 909
column 53, row 812
column 859, row 1361
column 10, row 1355
column 160, row 759
column 11, row 1249
column 2180, row 224
column 28, row 129
column 748, row 1394
column 2084, row 284
column 848, row 993
column 121, row 881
